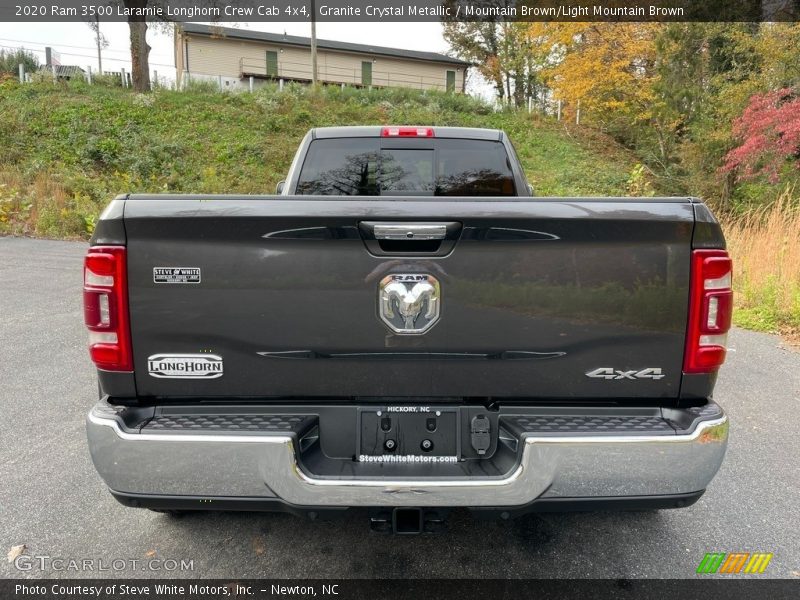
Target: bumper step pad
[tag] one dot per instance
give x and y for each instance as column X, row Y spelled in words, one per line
column 214, row 423
column 589, row 425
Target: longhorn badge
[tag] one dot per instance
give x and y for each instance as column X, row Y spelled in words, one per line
column 409, row 303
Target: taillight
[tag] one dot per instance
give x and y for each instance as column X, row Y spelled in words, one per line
column 407, row 132
column 105, row 308
column 710, row 311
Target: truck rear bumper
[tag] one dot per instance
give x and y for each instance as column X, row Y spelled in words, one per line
column 553, row 458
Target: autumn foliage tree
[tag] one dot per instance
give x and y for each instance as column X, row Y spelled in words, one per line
column 687, row 97
column 607, row 67
column 769, row 130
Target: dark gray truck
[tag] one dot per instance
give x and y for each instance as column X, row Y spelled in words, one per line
column 405, row 329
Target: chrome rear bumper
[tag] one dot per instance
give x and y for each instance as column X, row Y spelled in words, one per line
column 264, row 464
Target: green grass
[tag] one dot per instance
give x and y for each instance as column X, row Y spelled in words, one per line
column 764, row 309
column 67, row 149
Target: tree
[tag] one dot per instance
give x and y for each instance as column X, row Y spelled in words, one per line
column 522, row 61
column 137, row 12
column 708, row 73
column 502, row 50
column 608, row 67
column 478, row 42
column 681, row 65
column 10, row 60
column 769, row 130
column 100, row 40
column 672, row 91
column 137, row 16
column 140, row 49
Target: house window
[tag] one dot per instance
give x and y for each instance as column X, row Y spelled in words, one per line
column 451, row 81
column 366, row 73
column 272, row 63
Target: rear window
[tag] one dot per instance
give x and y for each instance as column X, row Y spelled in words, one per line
column 439, row 167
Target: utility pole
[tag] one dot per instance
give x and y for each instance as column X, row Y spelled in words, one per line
column 99, row 40
column 313, row 43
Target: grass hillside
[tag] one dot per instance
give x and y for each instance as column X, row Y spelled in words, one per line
column 66, row 150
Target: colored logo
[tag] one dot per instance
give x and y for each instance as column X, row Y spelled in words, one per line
column 734, row 562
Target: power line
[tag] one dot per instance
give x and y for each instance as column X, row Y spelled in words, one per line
column 93, row 57
column 59, row 45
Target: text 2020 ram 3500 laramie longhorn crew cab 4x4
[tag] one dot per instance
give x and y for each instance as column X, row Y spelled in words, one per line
column 405, row 329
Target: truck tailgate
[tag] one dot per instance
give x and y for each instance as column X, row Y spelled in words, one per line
column 538, row 297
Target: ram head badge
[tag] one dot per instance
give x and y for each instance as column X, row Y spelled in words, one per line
column 409, row 303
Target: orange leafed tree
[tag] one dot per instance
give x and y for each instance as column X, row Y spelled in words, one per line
column 608, row 67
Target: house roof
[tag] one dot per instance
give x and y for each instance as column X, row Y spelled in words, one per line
column 294, row 40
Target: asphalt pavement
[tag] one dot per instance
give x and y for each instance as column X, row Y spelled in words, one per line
column 53, row 502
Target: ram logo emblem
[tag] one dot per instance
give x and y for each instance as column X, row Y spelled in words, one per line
column 409, row 304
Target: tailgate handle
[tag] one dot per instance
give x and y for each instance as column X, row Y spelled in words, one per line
column 410, row 238
column 409, row 231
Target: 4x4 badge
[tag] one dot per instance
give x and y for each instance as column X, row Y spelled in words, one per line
column 611, row 373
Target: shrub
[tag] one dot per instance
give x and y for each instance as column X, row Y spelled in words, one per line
column 769, row 130
column 11, row 59
column 107, row 80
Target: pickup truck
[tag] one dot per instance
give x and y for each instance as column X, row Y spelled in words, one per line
column 403, row 330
